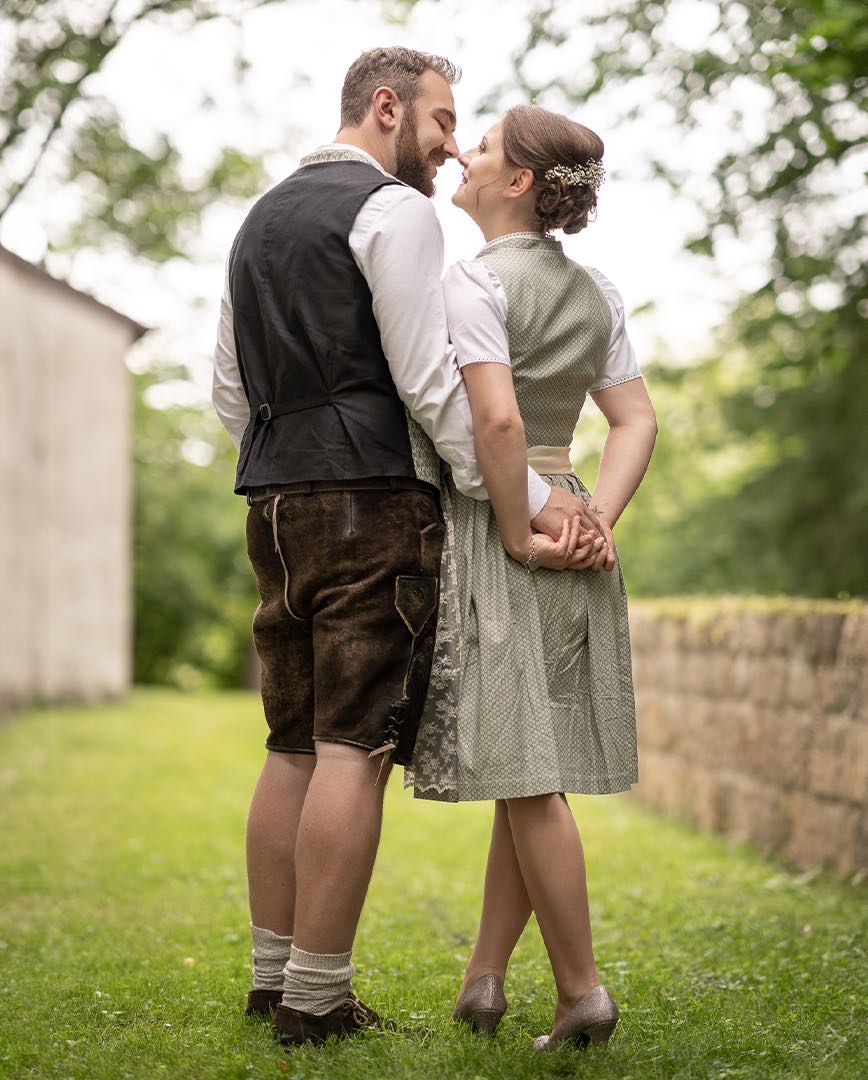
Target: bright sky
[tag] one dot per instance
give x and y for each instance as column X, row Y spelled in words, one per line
column 299, row 52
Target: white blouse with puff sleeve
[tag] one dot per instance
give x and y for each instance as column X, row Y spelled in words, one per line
column 476, row 310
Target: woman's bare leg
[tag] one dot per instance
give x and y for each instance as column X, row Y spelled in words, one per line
column 505, row 904
column 549, row 852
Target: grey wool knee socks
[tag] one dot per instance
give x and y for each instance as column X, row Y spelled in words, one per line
column 270, row 956
column 316, row 982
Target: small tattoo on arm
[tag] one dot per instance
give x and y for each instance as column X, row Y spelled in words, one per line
column 597, row 509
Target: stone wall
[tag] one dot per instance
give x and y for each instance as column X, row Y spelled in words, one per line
column 65, row 598
column 753, row 722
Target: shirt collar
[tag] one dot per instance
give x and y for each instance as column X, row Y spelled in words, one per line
column 342, row 152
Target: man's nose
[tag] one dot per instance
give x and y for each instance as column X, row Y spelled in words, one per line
column 450, row 147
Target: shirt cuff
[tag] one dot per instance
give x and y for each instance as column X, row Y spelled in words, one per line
column 538, row 492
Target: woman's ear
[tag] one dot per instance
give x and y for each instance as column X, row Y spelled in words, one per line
column 386, row 106
column 521, row 183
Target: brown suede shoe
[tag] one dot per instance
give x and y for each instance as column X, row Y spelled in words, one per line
column 262, row 1002
column 292, row 1027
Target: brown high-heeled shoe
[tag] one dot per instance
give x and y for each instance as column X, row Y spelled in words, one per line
column 482, row 1004
column 591, row 1019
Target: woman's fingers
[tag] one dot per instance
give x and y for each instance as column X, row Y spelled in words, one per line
column 577, row 549
column 584, row 553
column 599, row 557
column 590, row 519
column 609, row 562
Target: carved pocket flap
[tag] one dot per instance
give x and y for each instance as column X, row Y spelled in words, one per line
column 415, row 600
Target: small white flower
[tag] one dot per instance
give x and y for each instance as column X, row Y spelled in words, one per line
column 592, row 174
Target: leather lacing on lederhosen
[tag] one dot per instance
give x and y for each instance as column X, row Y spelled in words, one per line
column 279, row 551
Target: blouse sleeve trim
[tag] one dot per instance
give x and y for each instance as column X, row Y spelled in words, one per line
column 483, row 360
column 604, row 385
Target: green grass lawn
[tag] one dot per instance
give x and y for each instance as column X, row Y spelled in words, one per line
column 124, row 946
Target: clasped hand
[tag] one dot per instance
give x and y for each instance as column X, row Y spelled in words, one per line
column 568, row 535
column 577, row 548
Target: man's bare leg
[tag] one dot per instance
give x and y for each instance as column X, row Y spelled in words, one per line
column 338, row 836
column 337, row 844
column 272, row 828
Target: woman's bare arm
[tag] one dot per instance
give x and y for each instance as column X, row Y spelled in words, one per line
column 628, row 447
column 498, row 431
column 501, row 449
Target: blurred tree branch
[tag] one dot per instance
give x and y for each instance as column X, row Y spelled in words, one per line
column 50, row 49
column 784, row 88
column 809, row 57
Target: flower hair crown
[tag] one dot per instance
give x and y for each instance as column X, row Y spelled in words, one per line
column 591, row 173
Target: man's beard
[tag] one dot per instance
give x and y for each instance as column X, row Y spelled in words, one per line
column 411, row 166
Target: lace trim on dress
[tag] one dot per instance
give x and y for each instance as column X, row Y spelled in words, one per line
column 434, row 772
column 523, row 240
column 483, row 360
column 614, row 382
column 527, row 235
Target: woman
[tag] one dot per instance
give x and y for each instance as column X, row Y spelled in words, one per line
column 531, row 693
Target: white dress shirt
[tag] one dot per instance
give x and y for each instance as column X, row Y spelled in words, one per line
column 397, row 244
column 476, row 308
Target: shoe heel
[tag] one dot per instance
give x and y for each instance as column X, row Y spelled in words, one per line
column 599, row 1034
column 485, row 1021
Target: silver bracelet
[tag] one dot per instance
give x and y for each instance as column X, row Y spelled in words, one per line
column 531, row 563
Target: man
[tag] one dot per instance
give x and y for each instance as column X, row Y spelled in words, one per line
column 334, row 377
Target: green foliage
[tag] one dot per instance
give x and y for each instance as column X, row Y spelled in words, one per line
column 758, row 480
column 140, row 197
column 52, row 124
column 124, row 949
column 194, row 591
column 759, row 473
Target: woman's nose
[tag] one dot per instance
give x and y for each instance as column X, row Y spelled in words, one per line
column 464, row 159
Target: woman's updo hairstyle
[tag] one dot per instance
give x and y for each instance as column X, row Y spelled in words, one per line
column 546, row 142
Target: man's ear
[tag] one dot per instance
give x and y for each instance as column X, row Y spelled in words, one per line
column 522, row 181
column 387, row 108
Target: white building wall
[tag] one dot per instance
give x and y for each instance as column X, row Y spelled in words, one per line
column 65, row 492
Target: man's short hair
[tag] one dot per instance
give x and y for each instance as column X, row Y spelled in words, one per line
column 398, row 68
